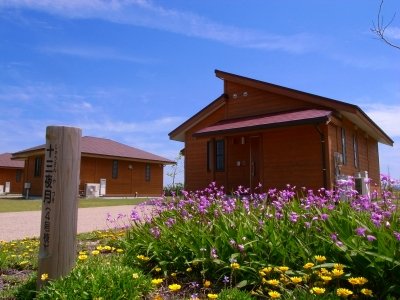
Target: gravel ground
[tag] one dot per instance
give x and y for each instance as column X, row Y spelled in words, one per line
column 20, row 225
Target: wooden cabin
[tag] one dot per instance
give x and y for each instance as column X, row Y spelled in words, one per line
column 108, row 168
column 11, row 175
column 258, row 132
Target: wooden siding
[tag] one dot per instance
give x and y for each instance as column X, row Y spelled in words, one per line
column 368, row 157
column 293, row 156
column 129, row 182
column 10, row 175
column 196, row 174
column 258, row 102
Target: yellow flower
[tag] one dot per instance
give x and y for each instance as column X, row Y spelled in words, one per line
column 212, row 296
column 189, row 270
column 120, row 250
column 158, row 269
column 95, row 252
column 24, row 262
column 235, row 266
column 142, row 257
column 82, row 257
column 341, row 292
column 283, row 269
column 82, row 252
column 207, row 283
column 108, row 248
column 274, row 294
column 366, row 292
column 362, row 280
column 326, row 278
column 173, row 274
column 262, row 274
column 44, row 277
column 267, row 270
column 320, row 258
column 337, row 272
column 324, row 271
column 157, row 281
column 273, row 282
column 308, row 265
column 296, row 279
column 135, row 275
column 317, row 290
column 174, row 287
column 338, row 266
column 99, row 247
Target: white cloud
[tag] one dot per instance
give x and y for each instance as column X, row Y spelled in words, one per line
column 96, row 53
column 393, row 33
column 147, row 14
column 386, row 116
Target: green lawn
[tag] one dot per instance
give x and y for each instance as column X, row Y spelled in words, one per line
column 14, row 205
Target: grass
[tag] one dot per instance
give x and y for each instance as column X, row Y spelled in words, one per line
column 15, row 205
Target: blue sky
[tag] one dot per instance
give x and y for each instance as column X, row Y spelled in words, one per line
column 133, row 70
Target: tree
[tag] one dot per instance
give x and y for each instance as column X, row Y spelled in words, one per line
column 175, row 169
column 379, row 28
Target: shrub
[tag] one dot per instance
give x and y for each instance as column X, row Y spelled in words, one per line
column 229, row 240
column 99, row 278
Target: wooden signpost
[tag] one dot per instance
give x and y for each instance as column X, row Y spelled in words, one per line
column 57, row 252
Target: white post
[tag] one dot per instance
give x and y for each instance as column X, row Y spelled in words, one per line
column 57, row 252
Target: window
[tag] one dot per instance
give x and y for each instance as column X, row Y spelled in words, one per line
column 147, row 172
column 115, row 169
column 220, row 155
column 210, row 153
column 18, row 176
column 38, row 166
column 344, row 146
column 355, row 151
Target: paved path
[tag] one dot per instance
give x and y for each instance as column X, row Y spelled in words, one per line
column 19, row 225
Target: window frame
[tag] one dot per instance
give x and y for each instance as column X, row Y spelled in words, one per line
column 356, row 152
column 37, row 171
column 147, row 172
column 114, row 171
column 219, row 155
column 344, row 146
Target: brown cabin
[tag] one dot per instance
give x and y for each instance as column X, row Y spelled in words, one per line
column 11, row 175
column 108, row 168
column 258, row 132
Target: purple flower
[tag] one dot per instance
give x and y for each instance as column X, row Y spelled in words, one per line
column 155, row 231
column 135, row 216
column 241, row 247
column 226, row 279
column 396, row 235
column 293, row 217
column 213, row 253
column 324, row 217
column 361, row 231
column 371, row 238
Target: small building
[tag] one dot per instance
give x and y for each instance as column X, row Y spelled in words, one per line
column 11, row 175
column 258, row 132
column 108, row 168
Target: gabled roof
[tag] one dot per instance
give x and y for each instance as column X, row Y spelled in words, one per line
column 105, row 148
column 7, row 162
column 349, row 111
column 307, row 116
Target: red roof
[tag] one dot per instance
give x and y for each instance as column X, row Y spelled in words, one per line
column 7, row 162
column 267, row 121
column 93, row 146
